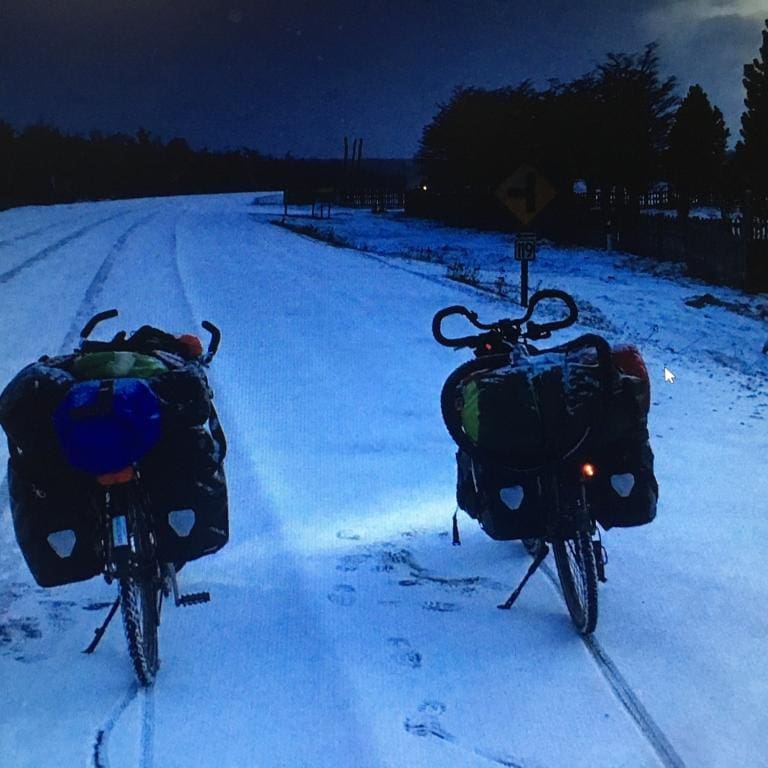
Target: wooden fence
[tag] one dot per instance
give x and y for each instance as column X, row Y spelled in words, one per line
column 321, row 199
column 375, row 199
column 721, row 251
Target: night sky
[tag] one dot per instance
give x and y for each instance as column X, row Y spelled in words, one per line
column 290, row 76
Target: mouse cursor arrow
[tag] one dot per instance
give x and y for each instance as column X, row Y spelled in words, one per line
column 669, row 377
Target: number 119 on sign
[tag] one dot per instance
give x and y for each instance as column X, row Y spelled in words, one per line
column 525, row 247
column 525, row 251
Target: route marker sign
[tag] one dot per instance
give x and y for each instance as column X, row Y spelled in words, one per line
column 525, row 246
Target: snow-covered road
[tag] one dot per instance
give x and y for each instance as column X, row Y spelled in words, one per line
column 344, row 629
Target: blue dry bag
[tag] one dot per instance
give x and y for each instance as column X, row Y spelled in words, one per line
column 105, row 426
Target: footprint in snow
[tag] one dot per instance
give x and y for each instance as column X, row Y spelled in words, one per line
column 14, row 635
column 59, row 612
column 432, row 707
column 427, row 726
column 343, row 594
column 436, row 605
column 348, row 535
column 350, row 563
column 404, row 654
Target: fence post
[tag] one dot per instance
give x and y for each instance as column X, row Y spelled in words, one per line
column 745, row 246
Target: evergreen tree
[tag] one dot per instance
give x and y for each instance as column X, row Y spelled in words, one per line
column 754, row 121
column 630, row 118
column 480, row 136
column 696, row 156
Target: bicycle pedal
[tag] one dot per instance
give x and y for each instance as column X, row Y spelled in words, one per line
column 194, row 598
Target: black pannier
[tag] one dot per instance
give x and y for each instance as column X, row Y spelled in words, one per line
column 184, row 477
column 624, row 492
column 506, row 502
column 512, row 418
column 55, row 507
column 55, row 523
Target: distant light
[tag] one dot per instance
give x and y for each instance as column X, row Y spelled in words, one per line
column 588, row 470
column 424, row 187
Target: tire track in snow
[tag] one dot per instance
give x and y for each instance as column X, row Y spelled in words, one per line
column 642, row 718
column 87, row 307
column 31, row 233
column 99, row 752
column 179, row 279
column 147, row 759
column 58, row 245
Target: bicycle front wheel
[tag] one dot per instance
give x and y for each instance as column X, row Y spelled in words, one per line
column 577, row 570
column 138, row 599
column 139, row 584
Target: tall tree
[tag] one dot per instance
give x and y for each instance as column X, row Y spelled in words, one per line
column 695, row 159
column 631, row 115
column 754, row 121
column 480, row 136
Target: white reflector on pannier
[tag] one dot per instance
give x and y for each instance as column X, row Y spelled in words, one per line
column 182, row 521
column 62, row 542
column 512, row 496
column 623, row 484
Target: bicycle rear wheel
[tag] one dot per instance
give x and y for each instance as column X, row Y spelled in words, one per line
column 577, row 570
column 139, row 584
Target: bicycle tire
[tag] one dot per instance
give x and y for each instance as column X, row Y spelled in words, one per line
column 140, row 591
column 577, row 571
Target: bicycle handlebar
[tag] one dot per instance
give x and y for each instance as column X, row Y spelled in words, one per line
column 95, row 320
column 213, row 344
column 508, row 328
column 437, row 322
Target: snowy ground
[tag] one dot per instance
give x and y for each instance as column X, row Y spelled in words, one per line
column 344, row 629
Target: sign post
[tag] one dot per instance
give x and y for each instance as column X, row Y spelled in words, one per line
column 525, row 193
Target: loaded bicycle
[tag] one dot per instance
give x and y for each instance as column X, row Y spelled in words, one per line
column 116, row 468
column 550, row 442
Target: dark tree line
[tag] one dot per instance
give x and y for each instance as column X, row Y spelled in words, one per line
column 41, row 164
column 620, row 128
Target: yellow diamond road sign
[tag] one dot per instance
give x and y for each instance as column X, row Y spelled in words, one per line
column 525, row 193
